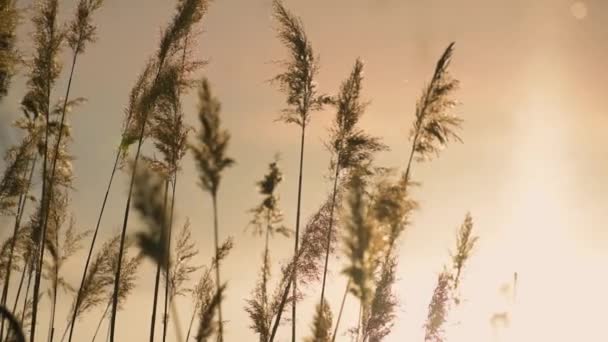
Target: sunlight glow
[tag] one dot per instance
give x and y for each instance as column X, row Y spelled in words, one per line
column 579, row 10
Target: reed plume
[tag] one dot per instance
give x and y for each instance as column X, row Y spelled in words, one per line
column 204, row 293
column 438, row 309
column 308, row 262
column 434, row 125
column 9, row 56
column 206, row 326
column 363, row 242
column 15, row 178
column 129, row 268
column 448, row 283
column 465, row 242
column 211, row 160
column 322, row 323
column 182, row 268
column 96, row 288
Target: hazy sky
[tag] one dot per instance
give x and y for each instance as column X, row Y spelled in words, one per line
column 531, row 169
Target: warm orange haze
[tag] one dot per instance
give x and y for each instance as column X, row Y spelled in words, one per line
column 285, row 170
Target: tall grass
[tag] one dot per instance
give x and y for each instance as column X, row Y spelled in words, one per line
column 188, row 14
column 374, row 206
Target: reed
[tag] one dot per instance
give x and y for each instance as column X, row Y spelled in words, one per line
column 211, row 160
column 267, row 221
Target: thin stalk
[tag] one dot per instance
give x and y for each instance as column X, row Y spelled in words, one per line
column 217, row 266
column 359, row 321
column 27, row 292
column 329, row 231
column 265, row 261
column 41, row 236
column 333, row 337
column 21, row 282
column 158, row 268
column 190, row 326
column 54, row 304
column 168, row 256
column 195, row 312
column 126, row 218
column 178, row 326
column 275, row 326
column 46, row 203
column 297, row 239
column 93, row 240
column 105, row 312
column 411, row 158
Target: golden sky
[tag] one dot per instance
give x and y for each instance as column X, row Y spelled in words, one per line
column 531, row 169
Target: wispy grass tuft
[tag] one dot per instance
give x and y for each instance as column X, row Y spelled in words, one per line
column 204, row 295
column 435, row 126
column 363, row 243
column 448, row 283
column 9, row 56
